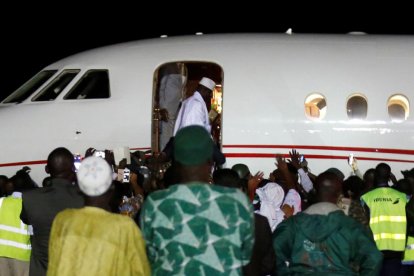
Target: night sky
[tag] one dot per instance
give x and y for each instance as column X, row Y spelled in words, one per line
column 35, row 38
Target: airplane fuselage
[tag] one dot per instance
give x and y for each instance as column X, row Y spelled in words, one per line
column 266, row 80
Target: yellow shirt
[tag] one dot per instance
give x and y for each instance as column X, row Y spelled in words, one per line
column 92, row 241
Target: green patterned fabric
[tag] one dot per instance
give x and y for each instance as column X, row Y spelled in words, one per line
column 198, row 229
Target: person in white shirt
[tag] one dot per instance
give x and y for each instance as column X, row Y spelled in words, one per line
column 271, row 198
column 170, row 95
column 194, row 110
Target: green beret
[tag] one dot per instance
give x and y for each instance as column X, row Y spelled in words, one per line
column 193, row 146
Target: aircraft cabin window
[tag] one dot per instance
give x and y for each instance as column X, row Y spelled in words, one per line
column 357, row 107
column 27, row 89
column 53, row 89
column 315, row 106
column 398, row 108
column 93, row 85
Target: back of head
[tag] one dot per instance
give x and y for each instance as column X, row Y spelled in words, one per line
column 22, row 180
column 408, row 173
column 193, row 146
column 404, row 186
column 3, row 178
column 242, row 170
column 409, row 176
column 337, row 172
column 3, row 183
column 353, row 187
column 227, row 178
column 369, row 175
column 382, row 173
column 328, row 187
column 60, row 163
column 94, row 176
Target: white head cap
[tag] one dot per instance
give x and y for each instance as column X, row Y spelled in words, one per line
column 94, row 176
column 271, row 198
column 210, row 84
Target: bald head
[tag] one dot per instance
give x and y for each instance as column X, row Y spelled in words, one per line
column 60, row 163
column 382, row 173
column 328, row 187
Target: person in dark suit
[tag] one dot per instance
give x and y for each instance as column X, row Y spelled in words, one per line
column 40, row 206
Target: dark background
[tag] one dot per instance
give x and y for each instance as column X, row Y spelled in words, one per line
column 34, row 36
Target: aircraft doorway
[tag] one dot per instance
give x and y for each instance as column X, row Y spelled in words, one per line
column 173, row 83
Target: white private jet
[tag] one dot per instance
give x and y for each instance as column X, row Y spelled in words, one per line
column 327, row 96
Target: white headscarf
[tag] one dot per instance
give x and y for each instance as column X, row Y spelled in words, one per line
column 271, row 197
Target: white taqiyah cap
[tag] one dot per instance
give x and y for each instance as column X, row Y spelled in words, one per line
column 94, row 176
column 210, row 84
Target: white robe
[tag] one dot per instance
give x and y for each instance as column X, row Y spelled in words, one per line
column 271, row 198
column 170, row 97
column 193, row 111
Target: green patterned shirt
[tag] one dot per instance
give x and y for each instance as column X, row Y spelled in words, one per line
column 198, row 229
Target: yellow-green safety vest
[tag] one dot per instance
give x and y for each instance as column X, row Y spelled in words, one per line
column 409, row 250
column 388, row 221
column 14, row 234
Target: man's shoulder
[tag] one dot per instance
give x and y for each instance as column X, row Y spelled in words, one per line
column 230, row 192
column 120, row 222
column 195, row 98
column 218, row 191
column 35, row 193
column 334, row 216
column 196, row 192
column 346, row 222
column 96, row 213
column 195, row 187
column 50, row 191
column 67, row 213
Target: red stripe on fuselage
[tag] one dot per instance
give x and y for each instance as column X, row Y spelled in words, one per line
column 350, row 149
column 38, row 162
column 312, row 156
column 272, row 155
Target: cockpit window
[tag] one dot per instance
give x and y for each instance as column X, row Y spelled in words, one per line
column 53, row 89
column 315, row 106
column 27, row 89
column 93, row 85
column 357, row 107
column 398, row 108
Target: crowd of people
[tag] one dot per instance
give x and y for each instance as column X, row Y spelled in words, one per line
column 108, row 218
column 203, row 223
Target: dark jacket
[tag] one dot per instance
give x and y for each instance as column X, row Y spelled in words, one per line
column 263, row 260
column 40, row 206
column 332, row 244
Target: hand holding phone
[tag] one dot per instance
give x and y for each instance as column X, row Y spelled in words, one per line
column 77, row 161
column 126, row 174
column 99, row 153
column 351, row 159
